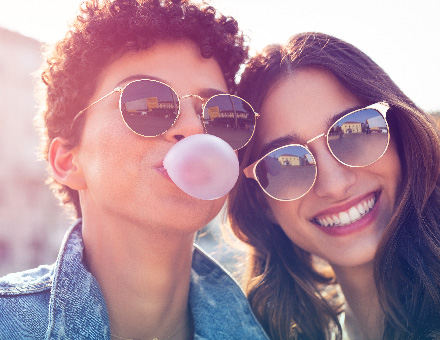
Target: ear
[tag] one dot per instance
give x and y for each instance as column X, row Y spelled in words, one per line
column 62, row 160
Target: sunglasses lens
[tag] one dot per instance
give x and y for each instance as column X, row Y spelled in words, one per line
column 230, row 118
column 360, row 138
column 287, row 173
column 149, row 107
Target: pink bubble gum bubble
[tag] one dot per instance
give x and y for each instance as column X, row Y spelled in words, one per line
column 203, row 166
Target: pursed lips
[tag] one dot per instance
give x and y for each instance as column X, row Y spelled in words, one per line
column 347, row 215
column 161, row 169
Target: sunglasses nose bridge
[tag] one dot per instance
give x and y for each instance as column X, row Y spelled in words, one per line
column 315, row 138
column 191, row 96
column 188, row 122
column 199, row 114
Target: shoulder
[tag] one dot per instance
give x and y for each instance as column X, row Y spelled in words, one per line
column 208, row 273
column 219, row 306
column 27, row 282
column 24, row 303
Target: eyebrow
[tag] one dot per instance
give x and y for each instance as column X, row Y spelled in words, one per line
column 136, row 77
column 331, row 120
column 294, row 138
column 279, row 142
column 204, row 93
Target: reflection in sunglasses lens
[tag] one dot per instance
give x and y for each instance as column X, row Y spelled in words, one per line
column 357, row 139
column 287, row 173
column 149, row 108
column 230, row 118
column 360, row 138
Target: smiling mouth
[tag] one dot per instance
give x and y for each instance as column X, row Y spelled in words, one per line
column 347, row 217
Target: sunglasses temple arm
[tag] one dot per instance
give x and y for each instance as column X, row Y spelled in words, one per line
column 118, row 89
column 382, row 107
column 249, row 171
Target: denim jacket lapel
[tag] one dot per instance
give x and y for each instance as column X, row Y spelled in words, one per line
column 219, row 307
column 77, row 308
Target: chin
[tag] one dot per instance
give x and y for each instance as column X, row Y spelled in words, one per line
column 357, row 257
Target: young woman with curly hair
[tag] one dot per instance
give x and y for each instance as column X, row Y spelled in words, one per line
column 129, row 81
column 344, row 168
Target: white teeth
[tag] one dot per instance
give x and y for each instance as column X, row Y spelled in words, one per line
column 354, row 214
column 366, row 206
column 361, row 209
column 346, row 217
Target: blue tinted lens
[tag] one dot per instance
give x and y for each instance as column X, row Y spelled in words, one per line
column 360, row 138
column 287, row 173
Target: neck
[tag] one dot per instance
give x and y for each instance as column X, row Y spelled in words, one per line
column 364, row 316
column 144, row 275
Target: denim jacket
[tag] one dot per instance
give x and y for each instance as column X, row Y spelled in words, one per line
column 64, row 300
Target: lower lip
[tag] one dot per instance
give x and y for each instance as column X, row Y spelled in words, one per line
column 357, row 226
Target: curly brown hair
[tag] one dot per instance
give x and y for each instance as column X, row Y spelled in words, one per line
column 105, row 30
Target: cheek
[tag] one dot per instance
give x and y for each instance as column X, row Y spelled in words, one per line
column 107, row 146
column 285, row 214
column 100, row 131
column 288, row 216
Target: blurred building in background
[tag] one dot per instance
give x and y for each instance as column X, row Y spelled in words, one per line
column 32, row 223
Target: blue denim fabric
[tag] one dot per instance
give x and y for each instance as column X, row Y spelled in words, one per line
column 64, row 301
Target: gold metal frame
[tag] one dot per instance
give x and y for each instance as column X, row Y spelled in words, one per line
column 205, row 102
column 250, row 170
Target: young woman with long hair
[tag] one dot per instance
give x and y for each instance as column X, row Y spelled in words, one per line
column 344, row 168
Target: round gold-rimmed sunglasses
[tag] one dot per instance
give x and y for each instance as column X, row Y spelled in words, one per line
column 357, row 139
column 149, row 108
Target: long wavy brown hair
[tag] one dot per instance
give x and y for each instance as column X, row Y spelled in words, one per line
column 106, row 29
column 290, row 295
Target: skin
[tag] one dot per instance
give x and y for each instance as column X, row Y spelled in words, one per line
column 301, row 105
column 138, row 226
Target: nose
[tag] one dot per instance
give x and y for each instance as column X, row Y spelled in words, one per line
column 189, row 120
column 333, row 178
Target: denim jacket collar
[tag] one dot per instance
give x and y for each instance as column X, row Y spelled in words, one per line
column 77, row 309
column 76, row 293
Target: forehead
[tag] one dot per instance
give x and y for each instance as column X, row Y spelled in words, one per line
column 302, row 104
column 177, row 63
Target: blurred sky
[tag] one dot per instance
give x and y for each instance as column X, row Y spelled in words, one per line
column 402, row 36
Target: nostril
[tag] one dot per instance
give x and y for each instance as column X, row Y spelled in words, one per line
column 179, row 137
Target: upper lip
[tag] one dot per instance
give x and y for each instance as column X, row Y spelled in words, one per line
column 159, row 164
column 342, row 207
column 160, row 167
